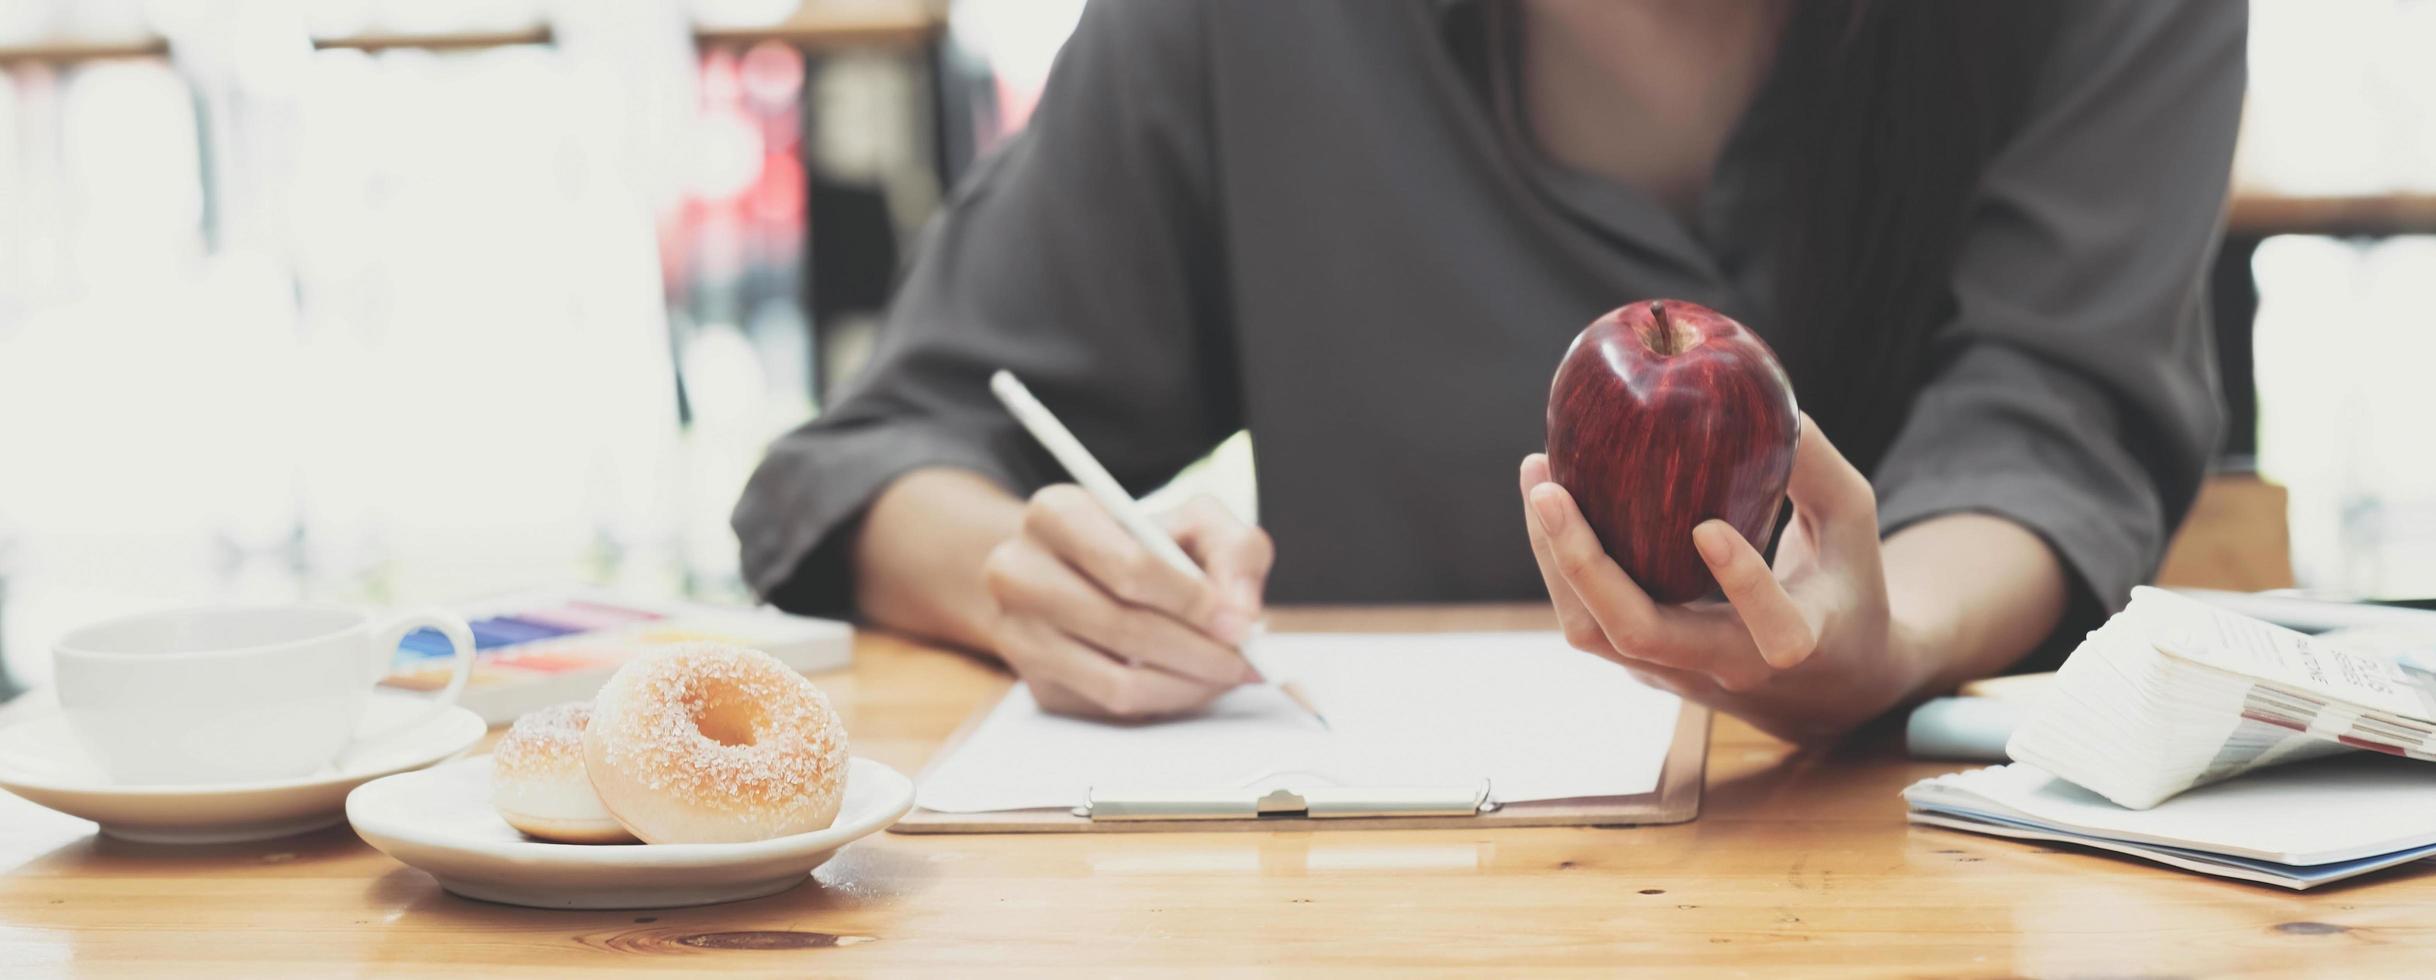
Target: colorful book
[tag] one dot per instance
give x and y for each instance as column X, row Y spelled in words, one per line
column 537, row 649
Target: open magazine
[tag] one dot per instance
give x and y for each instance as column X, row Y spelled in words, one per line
column 2173, row 693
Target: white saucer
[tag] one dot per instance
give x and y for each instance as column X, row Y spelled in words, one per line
column 440, row 821
column 41, row 760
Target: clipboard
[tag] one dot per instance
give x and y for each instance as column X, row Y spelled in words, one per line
column 1676, row 800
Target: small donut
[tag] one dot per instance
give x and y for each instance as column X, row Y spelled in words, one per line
column 538, row 782
column 706, row 743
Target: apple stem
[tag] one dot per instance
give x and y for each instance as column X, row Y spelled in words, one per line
column 1668, row 343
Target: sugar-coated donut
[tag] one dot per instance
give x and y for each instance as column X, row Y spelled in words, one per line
column 538, row 782
column 706, row 743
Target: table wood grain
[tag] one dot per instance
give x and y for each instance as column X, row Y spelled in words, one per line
column 1800, row 862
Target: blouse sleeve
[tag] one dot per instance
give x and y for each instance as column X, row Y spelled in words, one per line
column 2075, row 391
column 1081, row 257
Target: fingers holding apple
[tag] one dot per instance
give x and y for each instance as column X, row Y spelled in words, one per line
column 1790, row 649
column 1673, row 443
column 1606, row 613
column 1580, row 628
column 1830, row 495
column 1835, row 534
column 1782, row 631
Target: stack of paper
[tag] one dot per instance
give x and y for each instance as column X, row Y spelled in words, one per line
column 2173, row 693
column 2296, row 826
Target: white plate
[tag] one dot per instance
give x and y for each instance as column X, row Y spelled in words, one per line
column 41, row 760
column 440, row 821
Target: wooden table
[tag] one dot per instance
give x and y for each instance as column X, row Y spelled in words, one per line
column 1800, row 862
column 2370, row 214
column 815, row 24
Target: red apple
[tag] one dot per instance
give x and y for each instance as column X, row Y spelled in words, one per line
column 1665, row 414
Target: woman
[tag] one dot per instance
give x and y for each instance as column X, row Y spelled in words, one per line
column 1366, row 232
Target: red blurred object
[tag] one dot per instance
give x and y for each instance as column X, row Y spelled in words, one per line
column 1665, row 414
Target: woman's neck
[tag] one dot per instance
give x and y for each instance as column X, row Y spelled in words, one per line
column 1645, row 92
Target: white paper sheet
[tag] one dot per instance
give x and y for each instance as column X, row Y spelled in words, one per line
column 1536, row 718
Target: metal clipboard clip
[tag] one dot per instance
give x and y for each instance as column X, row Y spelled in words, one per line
column 1315, row 802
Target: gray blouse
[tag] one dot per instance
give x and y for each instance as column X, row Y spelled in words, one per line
column 1301, row 219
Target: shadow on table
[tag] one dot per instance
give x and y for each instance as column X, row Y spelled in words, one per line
column 818, row 914
column 100, row 855
column 1857, row 777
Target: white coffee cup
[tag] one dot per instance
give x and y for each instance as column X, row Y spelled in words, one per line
column 236, row 693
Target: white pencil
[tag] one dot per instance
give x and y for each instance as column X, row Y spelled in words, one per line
column 1103, row 487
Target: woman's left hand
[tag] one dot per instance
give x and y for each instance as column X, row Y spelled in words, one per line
column 1804, row 650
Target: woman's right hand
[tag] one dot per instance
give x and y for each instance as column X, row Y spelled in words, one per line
column 1099, row 626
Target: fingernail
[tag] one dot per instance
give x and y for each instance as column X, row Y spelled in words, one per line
column 1230, row 626
column 1251, row 674
column 1551, row 512
column 1247, row 596
column 1709, row 537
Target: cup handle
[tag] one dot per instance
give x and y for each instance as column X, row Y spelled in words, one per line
column 385, row 645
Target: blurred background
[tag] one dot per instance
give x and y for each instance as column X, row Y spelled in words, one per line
column 399, row 301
